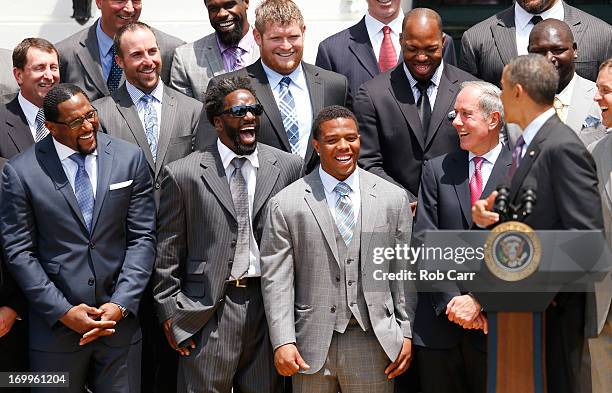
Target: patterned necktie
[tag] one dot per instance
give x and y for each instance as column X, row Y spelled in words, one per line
column 240, row 197
column 423, row 106
column 516, row 155
column 114, row 76
column 236, row 62
column 41, row 129
column 150, row 123
column 536, row 19
column 345, row 216
column 559, row 109
column 83, row 190
column 476, row 180
column 289, row 114
column 387, row 57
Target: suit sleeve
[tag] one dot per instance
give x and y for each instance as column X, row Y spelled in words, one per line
column 140, row 241
column 323, row 60
column 205, row 133
column 277, row 276
column 171, row 246
column 10, row 295
column 469, row 61
column 179, row 80
column 19, row 242
column 449, row 55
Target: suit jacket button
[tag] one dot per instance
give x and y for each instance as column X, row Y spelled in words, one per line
column 233, row 244
column 91, row 281
column 337, row 279
column 349, row 260
column 157, row 185
column 332, row 309
column 92, row 245
column 350, row 283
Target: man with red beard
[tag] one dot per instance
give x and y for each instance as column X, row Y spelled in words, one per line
column 162, row 122
column 207, row 272
column 231, row 47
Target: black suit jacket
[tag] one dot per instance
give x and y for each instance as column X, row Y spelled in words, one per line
column 15, row 133
column 326, row 88
column 444, row 203
column 349, row 52
column 393, row 145
column 491, row 44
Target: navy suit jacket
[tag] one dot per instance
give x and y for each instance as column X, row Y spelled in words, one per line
column 15, row 134
column 444, row 203
column 56, row 262
column 349, row 52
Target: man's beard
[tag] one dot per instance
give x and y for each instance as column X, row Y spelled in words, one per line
column 231, row 38
column 242, row 149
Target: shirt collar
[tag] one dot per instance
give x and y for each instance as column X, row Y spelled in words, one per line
column 63, row 151
column 29, row 110
column 136, row 94
column 566, row 94
column 532, row 128
column 227, row 155
column 490, row 156
column 374, row 26
column 105, row 42
column 522, row 17
column 330, row 182
column 297, row 77
column 246, row 43
column 435, row 78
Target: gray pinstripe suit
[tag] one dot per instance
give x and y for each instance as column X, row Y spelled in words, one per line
column 197, row 231
column 491, row 44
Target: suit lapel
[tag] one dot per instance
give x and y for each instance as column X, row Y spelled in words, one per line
column 582, row 99
column 49, row 159
column 168, row 115
column 105, row 167
column 89, row 56
column 18, row 128
column 127, row 109
column 499, row 173
column 213, row 174
column 211, row 53
column 316, row 89
column 315, row 198
column 361, row 47
column 445, row 98
column 460, row 177
column 369, row 213
column 400, row 89
column 267, row 174
column 266, row 98
column 504, row 35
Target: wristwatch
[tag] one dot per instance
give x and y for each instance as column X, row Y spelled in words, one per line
column 124, row 311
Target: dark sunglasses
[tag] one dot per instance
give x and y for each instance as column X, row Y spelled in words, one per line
column 241, row 110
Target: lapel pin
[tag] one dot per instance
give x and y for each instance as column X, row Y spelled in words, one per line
column 531, row 153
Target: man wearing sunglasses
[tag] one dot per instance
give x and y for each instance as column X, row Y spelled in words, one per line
column 78, row 231
column 207, row 273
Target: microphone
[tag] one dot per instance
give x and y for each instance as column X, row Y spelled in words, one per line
column 528, row 197
column 501, row 201
column 451, row 115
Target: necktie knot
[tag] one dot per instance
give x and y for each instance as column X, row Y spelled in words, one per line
column 342, row 188
column 386, row 30
column 536, row 19
column 147, row 98
column 285, row 82
column 422, row 86
column 79, row 159
column 478, row 162
column 238, row 162
column 520, row 142
column 40, row 116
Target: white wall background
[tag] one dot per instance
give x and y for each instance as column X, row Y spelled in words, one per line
column 186, row 19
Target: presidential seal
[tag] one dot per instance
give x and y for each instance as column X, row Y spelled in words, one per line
column 512, row 251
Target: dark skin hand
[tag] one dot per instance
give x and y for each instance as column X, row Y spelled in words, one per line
column 183, row 351
column 400, row 365
column 110, row 313
column 83, row 318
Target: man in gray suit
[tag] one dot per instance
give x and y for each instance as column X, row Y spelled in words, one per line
column 8, row 85
column 494, row 42
column 207, row 273
column 162, row 122
column 574, row 99
column 231, row 47
column 291, row 91
column 78, row 231
column 332, row 326
column 88, row 59
column 600, row 348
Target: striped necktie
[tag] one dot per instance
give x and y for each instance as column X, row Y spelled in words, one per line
column 151, row 124
column 83, row 189
column 345, row 216
column 41, row 129
column 289, row 114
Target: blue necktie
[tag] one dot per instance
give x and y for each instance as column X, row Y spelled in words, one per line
column 114, row 76
column 83, row 190
column 289, row 114
column 345, row 216
column 150, row 123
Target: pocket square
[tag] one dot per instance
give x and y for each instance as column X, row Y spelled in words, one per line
column 123, row 184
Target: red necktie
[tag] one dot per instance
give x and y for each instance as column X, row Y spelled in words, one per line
column 387, row 58
column 476, row 180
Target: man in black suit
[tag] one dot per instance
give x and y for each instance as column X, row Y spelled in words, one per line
column 494, row 42
column 292, row 92
column 450, row 358
column 22, row 121
column 400, row 126
column 552, row 156
column 359, row 52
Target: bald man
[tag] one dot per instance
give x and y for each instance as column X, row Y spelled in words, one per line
column 400, row 112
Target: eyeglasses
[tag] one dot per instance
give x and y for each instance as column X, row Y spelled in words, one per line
column 241, row 110
column 78, row 122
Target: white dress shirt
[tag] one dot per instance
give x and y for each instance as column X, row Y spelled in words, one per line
column 71, row 167
column 432, row 90
column 376, row 34
column 301, row 97
column 30, row 111
column 532, row 128
column 136, row 96
column 330, row 182
column 249, row 172
column 487, row 164
column 566, row 97
column 523, row 25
